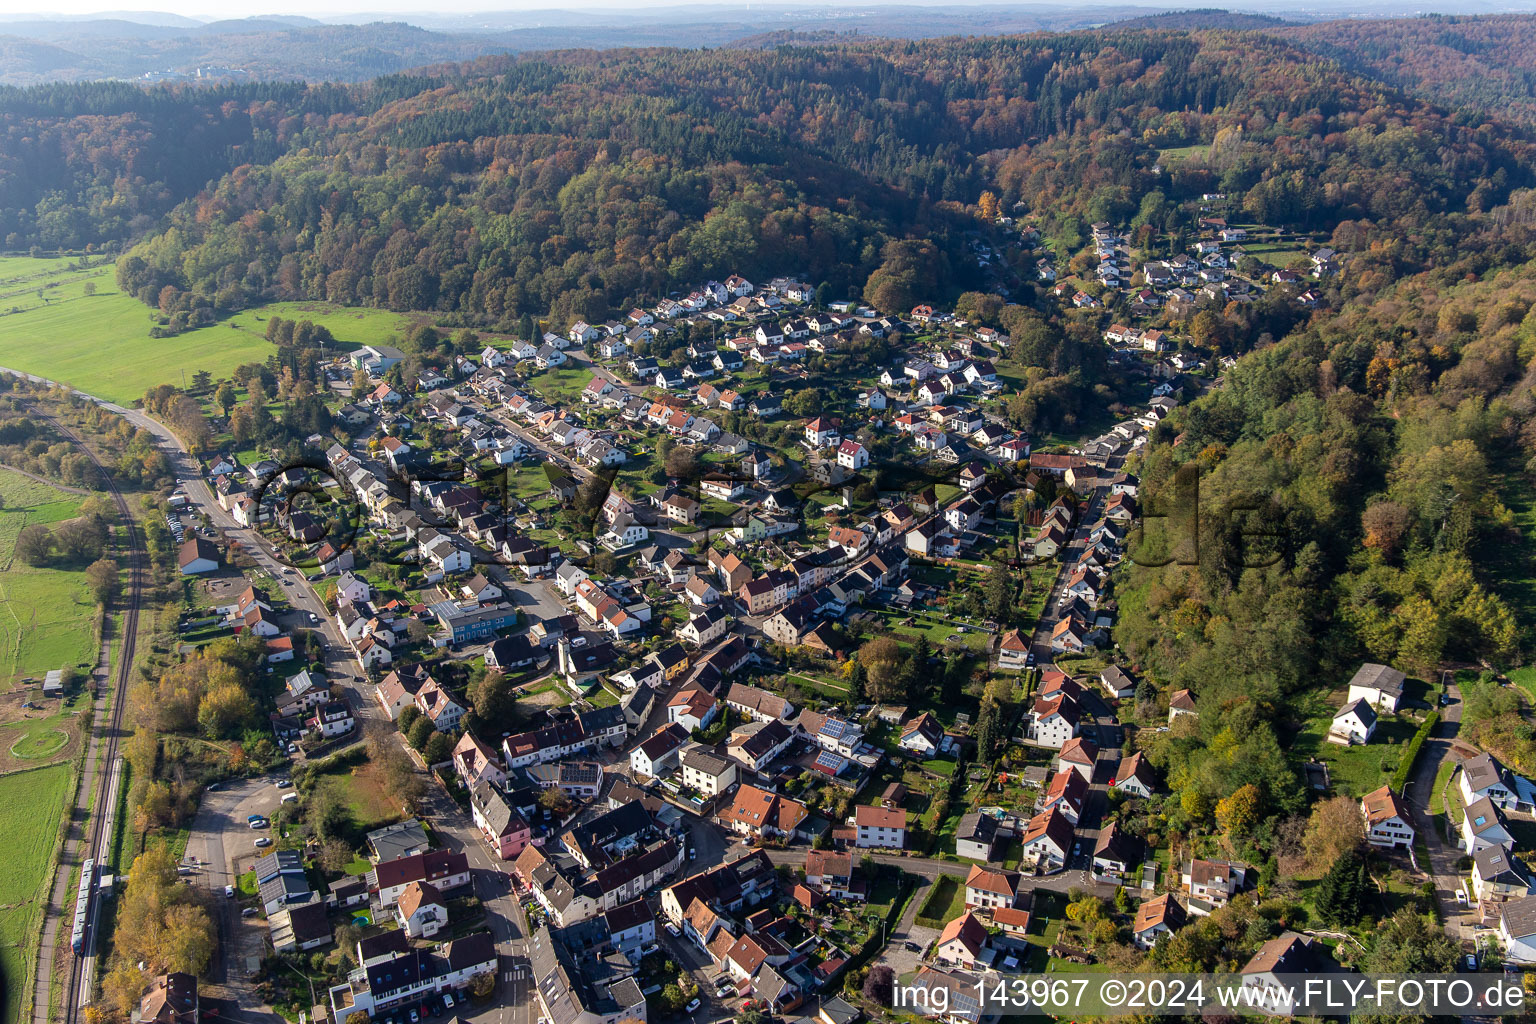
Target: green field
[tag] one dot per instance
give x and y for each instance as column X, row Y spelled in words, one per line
column 1356, row 771
column 46, row 614
column 561, row 384
column 944, row 903
column 31, row 806
column 100, row 343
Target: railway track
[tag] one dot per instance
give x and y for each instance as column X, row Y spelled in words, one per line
column 108, row 774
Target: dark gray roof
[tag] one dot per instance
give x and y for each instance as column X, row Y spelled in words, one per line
column 277, row 862
column 494, row 809
column 1519, row 916
column 285, row 888
column 1380, row 677
column 1497, row 864
column 398, row 840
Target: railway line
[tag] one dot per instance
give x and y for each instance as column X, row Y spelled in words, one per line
column 95, row 847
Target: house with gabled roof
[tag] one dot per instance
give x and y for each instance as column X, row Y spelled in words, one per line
column 962, row 943
column 1135, row 776
column 1498, row 876
column 1181, row 703
column 1379, row 685
column 1161, row 915
column 992, row 887
column 1354, row 723
column 762, row 813
column 1066, row 792
column 1046, row 840
column 1482, row 826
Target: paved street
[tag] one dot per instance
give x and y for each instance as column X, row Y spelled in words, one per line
column 1461, row 922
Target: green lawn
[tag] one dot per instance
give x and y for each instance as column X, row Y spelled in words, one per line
column 1356, row 771
column 100, row 343
column 944, row 903
column 561, row 384
column 1178, row 154
column 31, row 808
column 46, row 614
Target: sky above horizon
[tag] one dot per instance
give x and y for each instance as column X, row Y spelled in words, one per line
column 211, row 10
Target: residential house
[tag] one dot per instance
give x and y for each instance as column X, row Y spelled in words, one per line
column 659, row 754
column 1498, row 876
column 961, row 942
column 504, row 830
column 991, row 887
column 421, row 910
column 1379, row 685
column 879, row 827
column 1161, row 915
column 1354, row 723
column 1482, row 826
column 707, row 772
column 1116, row 854
column 1212, row 883
column 1046, row 841
column 762, row 813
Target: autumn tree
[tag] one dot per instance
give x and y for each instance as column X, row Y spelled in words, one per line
column 401, row 779
column 879, row 984
column 159, row 922
column 882, row 659
column 1335, row 830
column 102, row 577
column 1238, row 814
column 1385, row 524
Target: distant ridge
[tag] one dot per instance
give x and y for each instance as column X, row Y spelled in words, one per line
column 1194, row 21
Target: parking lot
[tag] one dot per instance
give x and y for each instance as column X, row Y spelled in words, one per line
column 221, row 846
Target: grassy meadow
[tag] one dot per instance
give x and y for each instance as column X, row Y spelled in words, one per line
column 31, row 806
column 46, row 614
column 100, row 343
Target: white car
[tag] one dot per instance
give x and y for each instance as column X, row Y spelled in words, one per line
column 229, row 891
column 673, row 931
column 264, row 841
column 692, row 1005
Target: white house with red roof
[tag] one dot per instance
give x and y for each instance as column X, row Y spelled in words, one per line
column 879, row 827
column 1079, row 754
column 852, row 455
column 820, row 432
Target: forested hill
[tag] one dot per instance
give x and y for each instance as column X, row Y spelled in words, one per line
column 575, row 183
column 1485, row 64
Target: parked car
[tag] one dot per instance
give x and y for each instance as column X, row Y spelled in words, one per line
column 249, row 912
column 229, row 891
column 693, row 1004
column 282, row 783
column 673, row 931
column 264, row 841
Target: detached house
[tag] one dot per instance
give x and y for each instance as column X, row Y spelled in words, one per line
column 1156, row 917
column 1378, row 685
column 879, row 827
column 1386, row 819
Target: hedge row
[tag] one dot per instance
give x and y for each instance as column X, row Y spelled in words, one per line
column 1405, row 765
